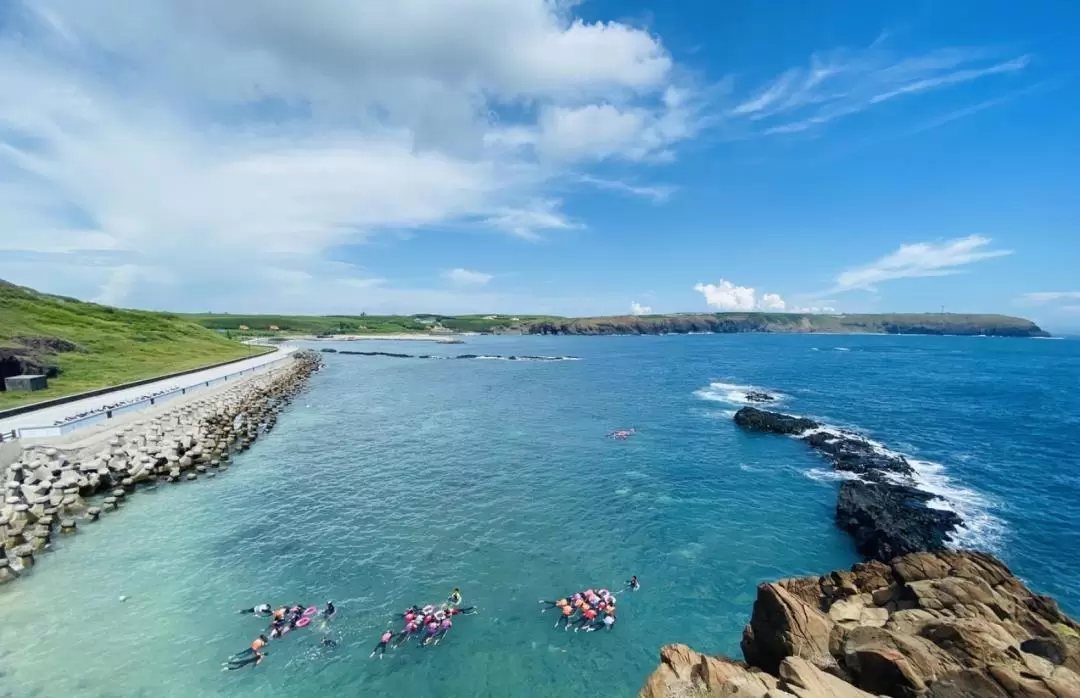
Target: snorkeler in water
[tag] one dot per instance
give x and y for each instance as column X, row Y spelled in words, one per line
column 430, row 629
column 467, row 611
column 444, row 627
column 455, row 597
column 381, row 647
column 633, row 584
column 262, row 609
column 411, row 628
column 330, row 611
column 565, row 616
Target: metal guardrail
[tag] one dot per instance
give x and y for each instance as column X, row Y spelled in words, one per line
column 75, row 397
column 7, row 436
column 103, row 416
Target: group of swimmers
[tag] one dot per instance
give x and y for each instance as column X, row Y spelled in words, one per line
column 588, row 610
column 622, row 434
column 283, row 620
column 427, row 623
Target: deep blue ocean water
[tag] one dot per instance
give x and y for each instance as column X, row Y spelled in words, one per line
column 390, row 481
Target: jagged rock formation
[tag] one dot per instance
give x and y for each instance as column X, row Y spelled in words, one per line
column 934, row 625
column 883, row 510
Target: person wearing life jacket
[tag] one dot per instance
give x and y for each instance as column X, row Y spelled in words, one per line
column 455, row 597
column 279, row 614
column 430, row 629
column 252, row 656
column 587, row 617
column 381, row 647
column 564, row 619
column 444, row 627
column 633, row 584
column 467, row 611
column 262, row 609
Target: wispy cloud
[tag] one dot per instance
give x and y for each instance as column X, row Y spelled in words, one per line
column 1040, row 297
column 657, row 193
column 639, row 309
column 920, row 259
column 843, row 82
column 467, row 277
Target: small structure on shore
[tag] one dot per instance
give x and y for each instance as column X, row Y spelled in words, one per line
column 26, row 383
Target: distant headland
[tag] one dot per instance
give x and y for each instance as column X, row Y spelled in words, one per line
column 676, row 323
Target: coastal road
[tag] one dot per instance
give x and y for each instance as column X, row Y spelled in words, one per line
column 49, row 415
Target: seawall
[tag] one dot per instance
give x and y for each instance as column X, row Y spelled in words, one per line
column 50, row 489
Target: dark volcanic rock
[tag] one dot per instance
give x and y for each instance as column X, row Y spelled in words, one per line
column 773, row 422
column 853, row 454
column 48, row 345
column 888, row 520
column 758, row 396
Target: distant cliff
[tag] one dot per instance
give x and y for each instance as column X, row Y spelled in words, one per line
column 906, row 323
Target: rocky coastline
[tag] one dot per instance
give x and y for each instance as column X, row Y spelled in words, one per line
column 881, row 506
column 935, row 625
column 50, row 490
column 961, row 324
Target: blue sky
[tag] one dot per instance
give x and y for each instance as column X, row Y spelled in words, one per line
column 539, row 156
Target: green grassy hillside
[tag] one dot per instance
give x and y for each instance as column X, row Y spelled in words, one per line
column 358, row 324
column 95, row 346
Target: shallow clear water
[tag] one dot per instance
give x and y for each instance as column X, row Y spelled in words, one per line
column 391, row 481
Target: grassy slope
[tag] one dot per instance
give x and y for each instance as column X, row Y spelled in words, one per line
column 353, row 324
column 121, row 345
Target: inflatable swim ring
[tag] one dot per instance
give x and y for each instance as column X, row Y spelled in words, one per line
column 303, row 621
column 310, row 611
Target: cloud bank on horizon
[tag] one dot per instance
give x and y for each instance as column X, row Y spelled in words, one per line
column 347, row 157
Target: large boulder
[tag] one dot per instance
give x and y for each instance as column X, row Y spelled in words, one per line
column 782, row 625
column 942, row 625
column 888, row 520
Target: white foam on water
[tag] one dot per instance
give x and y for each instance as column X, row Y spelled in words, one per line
column 822, row 475
column 735, row 394
column 981, row 529
column 841, row 349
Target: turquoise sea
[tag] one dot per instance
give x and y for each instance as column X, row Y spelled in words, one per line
column 390, row 481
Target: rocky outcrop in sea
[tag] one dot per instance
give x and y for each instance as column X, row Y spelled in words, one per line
column 49, row 490
column 881, row 506
column 935, row 625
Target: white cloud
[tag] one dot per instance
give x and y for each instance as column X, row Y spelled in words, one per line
column 601, row 131
column 253, row 135
column 639, row 309
column 919, row 260
column 466, row 277
column 772, row 301
column 843, row 82
column 1040, row 297
column 727, row 296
